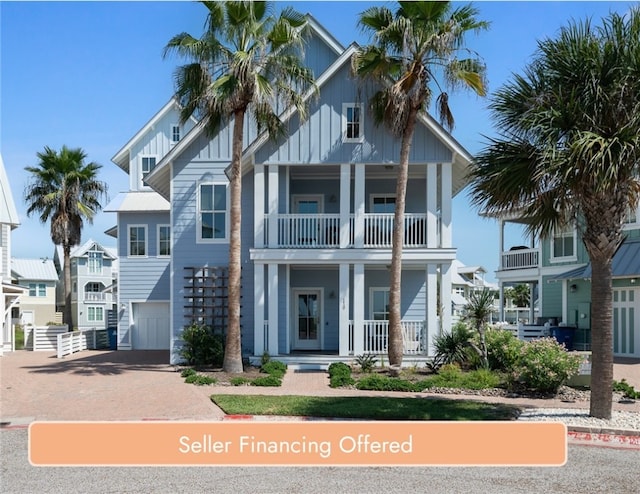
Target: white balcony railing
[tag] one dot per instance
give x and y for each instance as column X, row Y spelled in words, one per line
column 97, row 297
column 322, row 231
column 520, row 259
column 376, row 337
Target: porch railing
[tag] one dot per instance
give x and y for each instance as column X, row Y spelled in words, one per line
column 97, row 297
column 376, row 337
column 322, row 231
column 520, row 259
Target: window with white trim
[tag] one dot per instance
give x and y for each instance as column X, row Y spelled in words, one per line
column 164, row 240
column 212, row 212
column 379, row 306
column 95, row 314
column 137, row 241
column 95, row 261
column 37, row 290
column 175, row 133
column 383, row 203
column 563, row 244
column 353, row 122
column 147, row 163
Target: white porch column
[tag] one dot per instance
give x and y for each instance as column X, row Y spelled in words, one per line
column 445, row 195
column 345, row 205
column 358, row 207
column 258, row 310
column 358, row 309
column 501, row 244
column 501, row 300
column 273, row 309
column 432, row 205
column 258, row 207
column 343, row 310
column 445, row 296
column 432, row 306
column 272, row 205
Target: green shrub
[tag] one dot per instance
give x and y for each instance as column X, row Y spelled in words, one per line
column 239, row 381
column 189, row 371
column 339, row 368
column 376, row 382
column 626, row 388
column 269, row 380
column 337, row 381
column 200, row 380
column 366, row 361
column 339, row 375
column 544, row 365
column 503, row 349
column 265, row 358
column 202, row 347
column 274, row 368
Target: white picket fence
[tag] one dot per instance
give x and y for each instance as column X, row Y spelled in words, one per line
column 77, row 341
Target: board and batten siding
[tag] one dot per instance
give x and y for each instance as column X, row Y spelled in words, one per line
column 319, row 139
column 5, row 271
column 187, row 252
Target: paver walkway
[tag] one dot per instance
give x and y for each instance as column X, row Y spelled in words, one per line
column 140, row 385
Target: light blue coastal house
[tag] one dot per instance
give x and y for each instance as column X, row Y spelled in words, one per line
column 317, row 216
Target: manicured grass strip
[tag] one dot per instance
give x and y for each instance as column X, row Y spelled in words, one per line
column 365, row 407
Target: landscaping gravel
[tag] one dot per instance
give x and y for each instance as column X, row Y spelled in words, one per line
column 623, row 421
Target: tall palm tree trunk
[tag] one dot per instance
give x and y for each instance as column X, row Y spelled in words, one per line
column 68, row 310
column 395, row 295
column 233, row 351
column 601, row 339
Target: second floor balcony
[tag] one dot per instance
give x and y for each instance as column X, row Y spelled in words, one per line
column 97, row 297
column 323, row 231
column 518, row 258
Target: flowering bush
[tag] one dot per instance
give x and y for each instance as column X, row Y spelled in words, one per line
column 503, row 349
column 544, row 365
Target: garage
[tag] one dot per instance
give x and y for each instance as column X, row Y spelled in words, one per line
column 151, row 326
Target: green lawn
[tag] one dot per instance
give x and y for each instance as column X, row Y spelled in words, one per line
column 365, row 407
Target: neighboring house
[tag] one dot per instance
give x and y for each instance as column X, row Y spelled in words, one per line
column 38, row 306
column 316, row 229
column 9, row 293
column 94, row 269
column 464, row 281
column 559, row 272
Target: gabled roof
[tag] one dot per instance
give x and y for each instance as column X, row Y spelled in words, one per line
column 8, row 212
column 159, row 177
column 93, row 245
column 121, row 158
column 33, row 269
column 137, row 201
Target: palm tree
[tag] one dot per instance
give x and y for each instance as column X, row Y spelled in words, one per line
column 412, row 47
column 247, row 63
column 65, row 190
column 567, row 153
column 478, row 310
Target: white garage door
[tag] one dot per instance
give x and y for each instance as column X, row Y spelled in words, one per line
column 151, row 326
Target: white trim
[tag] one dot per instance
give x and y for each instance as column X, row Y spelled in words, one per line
column 373, row 289
column 273, row 308
column 297, row 344
column 355, row 255
column 373, row 196
column 95, row 307
column 295, row 198
column 572, row 258
column 199, row 239
column 141, row 173
column 345, row 123
column 344, row 304
column 158, row 227
column 146, row 240
column 172, row 128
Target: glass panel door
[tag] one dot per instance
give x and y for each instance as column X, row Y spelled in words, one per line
column 308, row 319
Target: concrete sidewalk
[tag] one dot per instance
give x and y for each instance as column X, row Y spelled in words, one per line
column 140, row 385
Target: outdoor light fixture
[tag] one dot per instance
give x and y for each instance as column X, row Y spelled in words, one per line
column 573, row 288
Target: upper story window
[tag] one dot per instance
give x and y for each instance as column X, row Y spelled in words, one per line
column 137, row 240
column 212, row 212
column 95, row 262
column 383, row 203
column 147, row 163
column 93, row 287
column 175, row 133
column 563, row 244
column 37, row 290
column 164, row 240
column 95, row 314
column 352, row 122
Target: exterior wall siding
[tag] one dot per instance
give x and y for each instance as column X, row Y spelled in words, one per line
column 319, row 139
column 551, row 298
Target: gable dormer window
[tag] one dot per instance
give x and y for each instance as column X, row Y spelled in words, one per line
column 175, row 134
column 148, row 163
column 352, row 122
column 95, row 262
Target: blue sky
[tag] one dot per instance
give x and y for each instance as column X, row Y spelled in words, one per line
column 91, row 74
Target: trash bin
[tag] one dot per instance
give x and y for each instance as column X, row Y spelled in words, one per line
column 113, row 338
column 564, row 335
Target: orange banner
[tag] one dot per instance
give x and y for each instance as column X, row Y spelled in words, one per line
column 298, row 443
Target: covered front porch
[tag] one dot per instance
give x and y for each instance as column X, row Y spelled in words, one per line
column 339, row 311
